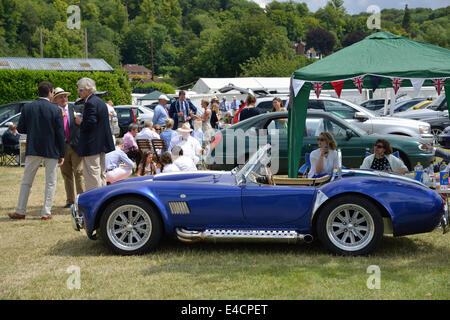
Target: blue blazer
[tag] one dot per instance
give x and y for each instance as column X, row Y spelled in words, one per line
column 42, row 122
column 95, row 132
column 175, row 108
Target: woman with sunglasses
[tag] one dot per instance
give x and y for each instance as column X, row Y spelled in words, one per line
column 324, row 159
column 383, row 160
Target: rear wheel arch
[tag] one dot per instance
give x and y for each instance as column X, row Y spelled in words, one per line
column 344, row 235
column 382, row 209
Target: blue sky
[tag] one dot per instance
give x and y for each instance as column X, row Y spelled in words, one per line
column 357, row 6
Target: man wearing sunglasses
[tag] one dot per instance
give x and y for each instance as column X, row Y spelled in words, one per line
column 95, row 135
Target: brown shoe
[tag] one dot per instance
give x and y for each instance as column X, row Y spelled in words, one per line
column 47, row 218
column 16, row 216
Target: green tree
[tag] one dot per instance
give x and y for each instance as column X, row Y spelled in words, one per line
column 406, row 22
column 277, row 65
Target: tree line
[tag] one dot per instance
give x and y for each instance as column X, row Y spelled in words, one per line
column 201, row 38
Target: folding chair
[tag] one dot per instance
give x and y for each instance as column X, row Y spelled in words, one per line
column 159, row 146
column 303, row 171
column 8, row 158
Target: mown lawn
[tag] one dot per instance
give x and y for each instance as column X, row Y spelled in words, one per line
column 35, row 256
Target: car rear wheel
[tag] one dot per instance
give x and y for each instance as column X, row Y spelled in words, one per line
column 130, row 226
column 350, row 225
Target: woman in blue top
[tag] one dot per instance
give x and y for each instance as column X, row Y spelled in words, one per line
column 168, row 133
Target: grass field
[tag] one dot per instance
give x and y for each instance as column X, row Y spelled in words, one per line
column 35, row 256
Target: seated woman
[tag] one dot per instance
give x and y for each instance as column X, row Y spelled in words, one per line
column 383, row 160
column 325, row 158
column 147, row 166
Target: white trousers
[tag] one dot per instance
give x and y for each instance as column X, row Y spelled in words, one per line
column 118, row 174
column 32, row 164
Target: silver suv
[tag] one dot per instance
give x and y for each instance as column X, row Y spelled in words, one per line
column 370, row 122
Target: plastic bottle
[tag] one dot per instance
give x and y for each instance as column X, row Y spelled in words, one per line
column 431, row 176
column 418, row 172
column 443, row 181
column 426, row 177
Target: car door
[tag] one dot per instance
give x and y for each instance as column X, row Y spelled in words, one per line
column 347, row 113
column 271, row 206
column 349, row 141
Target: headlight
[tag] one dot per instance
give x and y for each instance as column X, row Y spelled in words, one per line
column 424, row 129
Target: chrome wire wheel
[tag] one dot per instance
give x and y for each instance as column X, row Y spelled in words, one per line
column 129, row 227
column 350, row 227
column 436, row 132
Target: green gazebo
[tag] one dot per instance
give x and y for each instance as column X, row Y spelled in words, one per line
column 381, row 60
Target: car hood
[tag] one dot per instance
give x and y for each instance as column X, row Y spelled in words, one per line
column 196, row 177
column 399, row 121
column 416, row 114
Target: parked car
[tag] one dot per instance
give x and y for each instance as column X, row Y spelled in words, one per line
column 234, row 145
column 10, row 109
column 349, row 214
column 126, row 115
column 370, row 122
column 436, row 114
column 374, row 104
column 402, row 105
column 444, row 138
column 422, row 105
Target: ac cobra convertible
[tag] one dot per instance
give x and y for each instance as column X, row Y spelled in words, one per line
column 348, row 212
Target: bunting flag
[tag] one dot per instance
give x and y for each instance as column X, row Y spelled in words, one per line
column 375, row 82
column 338, row 85
column 438, row 84
column 417, row 85
column 317, row 86
column 358, row 82
column 396, row 83
column 297, row 85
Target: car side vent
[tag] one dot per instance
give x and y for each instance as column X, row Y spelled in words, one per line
column 179, row 207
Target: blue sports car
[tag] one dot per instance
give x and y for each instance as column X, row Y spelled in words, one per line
column 348, row 212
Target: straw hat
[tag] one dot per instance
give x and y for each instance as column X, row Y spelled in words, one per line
column 59, row 91
column 185, row 128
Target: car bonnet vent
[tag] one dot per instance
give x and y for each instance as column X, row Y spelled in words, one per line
column 179, row 207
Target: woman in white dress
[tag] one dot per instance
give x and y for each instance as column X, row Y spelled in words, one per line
column 324, row 159
column 208, row 131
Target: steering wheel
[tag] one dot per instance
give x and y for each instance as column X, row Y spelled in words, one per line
column 269, row 175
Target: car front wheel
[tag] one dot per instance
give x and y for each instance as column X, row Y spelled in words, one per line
column 130, row 226
column 350, row 225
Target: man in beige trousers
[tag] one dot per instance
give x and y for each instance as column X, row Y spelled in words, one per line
column 95, row 135
column 72, row 169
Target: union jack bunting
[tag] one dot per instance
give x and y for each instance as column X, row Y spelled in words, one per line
column 358, row 82
column 438, row 84
column 396, row 83
column 317, row 86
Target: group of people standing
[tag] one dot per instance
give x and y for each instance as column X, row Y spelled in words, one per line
column 62, row 135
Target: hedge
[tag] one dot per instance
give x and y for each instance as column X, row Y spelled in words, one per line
column 160, row 86
column 22, row 84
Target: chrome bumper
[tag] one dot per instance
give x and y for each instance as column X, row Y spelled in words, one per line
column 77, row 222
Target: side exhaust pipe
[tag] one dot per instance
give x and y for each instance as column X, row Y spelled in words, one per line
column 242, row 235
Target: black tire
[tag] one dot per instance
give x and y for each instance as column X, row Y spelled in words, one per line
column 365, row 234
column 130, row 236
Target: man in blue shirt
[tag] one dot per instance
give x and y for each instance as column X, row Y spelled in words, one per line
column 224, row 107
column 114, row 171
column 161, row 111
column 234, row 106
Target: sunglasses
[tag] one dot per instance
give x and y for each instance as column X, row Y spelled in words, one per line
column 378, row 146
column 321, row 139
column 158, row 129
column 80, row 90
